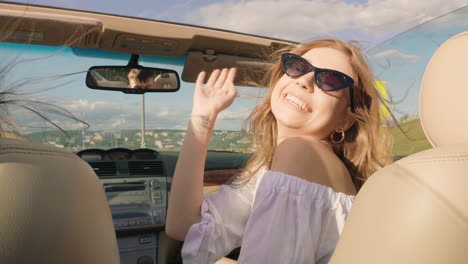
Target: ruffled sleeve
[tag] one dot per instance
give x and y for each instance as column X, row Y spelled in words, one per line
column 223, row 219
column 293, row 221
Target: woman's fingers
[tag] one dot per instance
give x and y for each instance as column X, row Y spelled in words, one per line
column 221, row 78
column 201, row 78
column 218, row 93
column 231, row 76
column 213, row 77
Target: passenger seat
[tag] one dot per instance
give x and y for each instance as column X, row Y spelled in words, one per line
column 52, row 208
column 416, row 209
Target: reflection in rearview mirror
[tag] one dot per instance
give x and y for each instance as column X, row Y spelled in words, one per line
column 132, row 80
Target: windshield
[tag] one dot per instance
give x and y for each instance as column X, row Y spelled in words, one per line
column 400, row 63
column 115, row 118
column 56, row 75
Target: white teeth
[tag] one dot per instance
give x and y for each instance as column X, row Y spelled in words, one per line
column 296, row 101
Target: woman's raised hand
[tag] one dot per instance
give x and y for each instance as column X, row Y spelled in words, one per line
column 218, row 93
column 187, row 184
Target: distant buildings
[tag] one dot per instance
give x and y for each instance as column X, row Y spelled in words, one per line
column 244, row 141
column 97, row 137
column 171, row 140
column 158, row 144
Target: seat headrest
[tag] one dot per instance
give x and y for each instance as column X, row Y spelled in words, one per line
column 53, row 208
column 444, row 93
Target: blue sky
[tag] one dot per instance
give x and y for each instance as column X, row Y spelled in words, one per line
column 399, row 62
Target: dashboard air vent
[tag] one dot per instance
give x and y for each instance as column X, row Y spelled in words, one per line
column 146, row 168
column 104, row 168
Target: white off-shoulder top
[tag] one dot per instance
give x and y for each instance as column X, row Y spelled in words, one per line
column 274, row 218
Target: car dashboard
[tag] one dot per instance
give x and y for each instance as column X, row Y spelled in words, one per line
column 137, row 185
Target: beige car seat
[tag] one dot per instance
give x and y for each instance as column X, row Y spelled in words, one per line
column 165, row 81
column 416, row 210
column 52, row 208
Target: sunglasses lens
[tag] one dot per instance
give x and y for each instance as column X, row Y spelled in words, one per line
column 330, row 80
column 295, row 66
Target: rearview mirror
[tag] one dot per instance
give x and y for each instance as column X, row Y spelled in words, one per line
column 135, row 80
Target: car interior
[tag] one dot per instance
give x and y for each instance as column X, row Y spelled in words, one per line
column 120, row 214
column 107, row 203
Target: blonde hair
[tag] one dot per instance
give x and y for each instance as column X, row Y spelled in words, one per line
column 133, row 74
column 367, row 145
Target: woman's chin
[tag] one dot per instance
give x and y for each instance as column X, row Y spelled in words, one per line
column 291, row 117
column 290, row 123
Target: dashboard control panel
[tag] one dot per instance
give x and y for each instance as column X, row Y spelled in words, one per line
column 139, row 202
column 135, row 185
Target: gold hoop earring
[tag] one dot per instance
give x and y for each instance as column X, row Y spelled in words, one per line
column 333, row 137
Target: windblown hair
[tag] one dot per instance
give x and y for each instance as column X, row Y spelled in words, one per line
column 367, row 145
column 133, row 74
column 13, row 94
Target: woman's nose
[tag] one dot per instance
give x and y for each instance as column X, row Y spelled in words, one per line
column 307, row 82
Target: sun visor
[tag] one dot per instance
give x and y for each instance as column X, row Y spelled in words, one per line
column 250, row 70
column 49, row 29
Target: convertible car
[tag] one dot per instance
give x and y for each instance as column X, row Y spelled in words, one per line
column 128, row 134
column 95, row 111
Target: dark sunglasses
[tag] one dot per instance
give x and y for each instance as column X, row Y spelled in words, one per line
column 326, row 79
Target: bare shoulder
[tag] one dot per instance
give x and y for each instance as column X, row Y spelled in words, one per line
column 313, row 161
column 300, row 156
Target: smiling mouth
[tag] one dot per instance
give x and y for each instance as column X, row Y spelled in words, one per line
column 297, row 102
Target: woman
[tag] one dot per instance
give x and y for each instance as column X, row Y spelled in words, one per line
column 318, row 137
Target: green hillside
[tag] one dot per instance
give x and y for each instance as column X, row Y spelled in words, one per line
column 413, row 141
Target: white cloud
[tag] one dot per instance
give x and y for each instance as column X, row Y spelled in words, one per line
column 88, row 106
column 395, row 54
column 166, row 112
column 169, row 11
column 104, row 115
column 118, row 123
column 239, row 114
column 302, row 19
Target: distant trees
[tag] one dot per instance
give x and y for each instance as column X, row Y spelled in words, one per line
column 404, row 118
